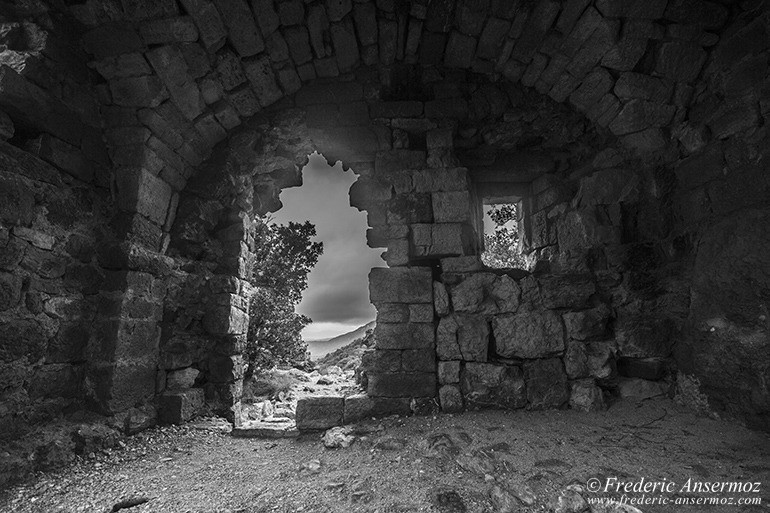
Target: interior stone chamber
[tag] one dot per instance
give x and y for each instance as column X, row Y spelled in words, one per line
column 139, row 138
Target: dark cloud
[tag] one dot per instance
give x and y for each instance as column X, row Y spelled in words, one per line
column 338, row 290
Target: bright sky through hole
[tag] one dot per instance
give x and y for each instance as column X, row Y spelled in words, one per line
column 337, row 297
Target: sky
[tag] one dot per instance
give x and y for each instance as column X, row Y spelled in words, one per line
column 337, row 297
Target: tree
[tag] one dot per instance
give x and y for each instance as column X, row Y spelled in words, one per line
column 285, row 255
column 502, row 245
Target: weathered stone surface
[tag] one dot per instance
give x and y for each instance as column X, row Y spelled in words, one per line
column 447, row 347
column 242, row 30
column 320, row 412
column 638, row 115
column 587, row 324
column 262, row 80
column 643, row 334
column 450, row 398
column 680, row 60
column 345, row 44
column 586, row 396
column 211, row 28
column 360, row 407
column 404, row 335
column 145, row 91
column 440, row 299
column 546, row 383
column 181, row 379
column 473, row 338
column 143, row 193
column 451, row 207
column 401, row 285
column 448, row 372
column 421, row 384
column 528, row 335
column 640, row 389
column 486, row 385
column 576, row 359
column 179, row 407
column 168, row 30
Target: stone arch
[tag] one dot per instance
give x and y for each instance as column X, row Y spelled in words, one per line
column 677, row 84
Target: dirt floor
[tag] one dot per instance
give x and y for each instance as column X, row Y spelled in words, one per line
column 476, row 462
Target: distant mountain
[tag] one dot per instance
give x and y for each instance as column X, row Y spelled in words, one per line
column 319, row 348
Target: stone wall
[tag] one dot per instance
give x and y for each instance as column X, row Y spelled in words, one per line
column 635, row 131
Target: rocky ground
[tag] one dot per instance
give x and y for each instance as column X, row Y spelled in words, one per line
column 515, row 461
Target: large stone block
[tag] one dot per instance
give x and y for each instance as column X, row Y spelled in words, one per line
column 487, row 385
column 586, row 396
column 144, row 193
column 405, row 336
column 473, row 338
column 576, row 359
column 112, row 39
column 144, row 91
column 587, row 324
column 10, row 291
column 66, row 157
column 180, row 406
column 320, row 412
column 546, row 383
column 402, row 384
column 441, row 240
column 528, row 335
column 451, row 207
column 450, row 398
column 447, row 346
column 242, row 29
column 168, row 30
column 361, row 407
column 448, row 372
column 401, row 285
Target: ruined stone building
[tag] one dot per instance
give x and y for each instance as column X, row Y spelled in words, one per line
column 141, row 137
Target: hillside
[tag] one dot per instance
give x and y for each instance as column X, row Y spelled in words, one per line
column 319, row 348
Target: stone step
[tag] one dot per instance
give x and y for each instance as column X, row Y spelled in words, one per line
column 262, row 429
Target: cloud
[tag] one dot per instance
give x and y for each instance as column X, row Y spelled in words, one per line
column 338, row 291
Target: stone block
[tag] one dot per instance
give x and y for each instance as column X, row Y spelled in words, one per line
column 64, row 156
column 451, row 207
column 643, row 335
column 421, row 313
column 460, row 51
column 528, row 335
column 419, row 360
column 112, row 39
column 441, row 240
column 361, row 407
column 450, row 398
column 448, row 372
column 639, row 389
column 170, row 66
column 405, row 335
column 225, row 320
column 10, row 291
column 473, row 338
column 587, row 324
column 492, row 38
column 229, row 70
column 446, row 108
column 576, row 359
column 638, row 115
column 210, row 26
column 345, row 44
column 168, row 30
column 6, row 126
column 143, row 193
column 447, row 346
column 244, row 101
column 440, row 299
column 241, row 27
column 392, row 312
column 546, row 383
column 181, row 379
column 401, row 285
column 402, row 384
column 144, row 91
column 320, row 412
column 487, row 385
column 262, row 79
column 586, row 396
column 592, row 89
column 538, row 23
column 680, row 60
column 179, row 407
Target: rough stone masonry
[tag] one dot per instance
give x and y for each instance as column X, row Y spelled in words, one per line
column 140, row 139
